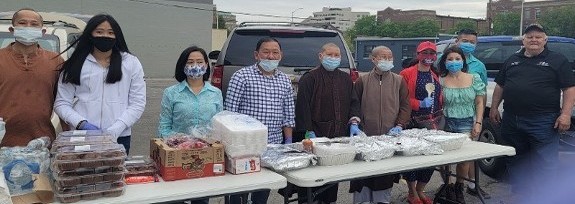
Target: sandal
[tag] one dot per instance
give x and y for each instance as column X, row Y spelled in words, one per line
column 414, row 200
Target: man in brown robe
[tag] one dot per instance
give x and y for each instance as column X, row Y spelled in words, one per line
column 327, row 105
column 27, row 82
column 384, row 110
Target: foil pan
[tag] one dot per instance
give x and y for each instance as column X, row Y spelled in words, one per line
column 281, row 158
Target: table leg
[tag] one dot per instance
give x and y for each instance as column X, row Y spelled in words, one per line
column 309, row 195
column 477, row 187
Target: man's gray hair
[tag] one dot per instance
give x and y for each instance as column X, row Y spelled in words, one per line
column 375, row 50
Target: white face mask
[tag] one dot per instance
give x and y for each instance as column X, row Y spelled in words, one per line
column 27, row 35
column 385, row 65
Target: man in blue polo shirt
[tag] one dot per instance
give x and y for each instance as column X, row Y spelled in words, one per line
column 467, row 41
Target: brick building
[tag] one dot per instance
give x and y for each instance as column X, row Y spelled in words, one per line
column 445, row 22
column 532, row 10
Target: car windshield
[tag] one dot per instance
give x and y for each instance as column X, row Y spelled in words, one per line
column 48, row 42
column 299, row 48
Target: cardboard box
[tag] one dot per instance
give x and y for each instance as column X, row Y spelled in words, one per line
column 176, row 164
column 242, row 165
column 41, row 193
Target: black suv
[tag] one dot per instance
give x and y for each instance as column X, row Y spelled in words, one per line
column 300, row 44
column 493, row 51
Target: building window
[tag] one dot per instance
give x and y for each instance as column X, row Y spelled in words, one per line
column 537, row 13
column 527, row 13
column 407, row 51
column 367, row 51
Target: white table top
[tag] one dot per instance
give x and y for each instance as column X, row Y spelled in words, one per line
column 320, row 175
column 196, row 188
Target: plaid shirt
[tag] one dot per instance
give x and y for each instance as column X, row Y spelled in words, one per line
column 266, row 98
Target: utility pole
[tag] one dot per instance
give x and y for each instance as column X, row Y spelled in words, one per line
column 521, row 21
column 293, row 13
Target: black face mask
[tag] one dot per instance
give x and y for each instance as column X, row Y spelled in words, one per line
column 104, row 44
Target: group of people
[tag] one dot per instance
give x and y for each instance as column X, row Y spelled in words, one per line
column 102, row 87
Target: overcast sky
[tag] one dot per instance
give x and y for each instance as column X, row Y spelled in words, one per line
column 460, row 8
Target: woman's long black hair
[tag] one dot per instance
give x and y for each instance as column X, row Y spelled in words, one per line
column 183, row 60
column 72, row 68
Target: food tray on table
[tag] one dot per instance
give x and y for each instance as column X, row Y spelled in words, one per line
column 68, row 165
column 87, row 188
column 67, row 180
column 83, row 140
column 137, row 177
column 93, row 151
column 140, row 163
column 71, row 198
column 89, row 171
column 450, row 141
column 330, row 154
column 83, row 133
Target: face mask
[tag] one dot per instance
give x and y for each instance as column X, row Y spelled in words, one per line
column 195, row 71
column 104, row 44
column 427, row 59
column 454, row 66
column 27, row 35
column 269, row 65
column 330, row 63
column 385, row 65
column 467, row 47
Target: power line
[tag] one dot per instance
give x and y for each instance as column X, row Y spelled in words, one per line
column 211, row 10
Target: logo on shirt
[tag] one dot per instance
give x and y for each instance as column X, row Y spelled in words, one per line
column 514, row 63
column 543, row 64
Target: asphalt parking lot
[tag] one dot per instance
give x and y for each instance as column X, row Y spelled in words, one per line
column 147, row 128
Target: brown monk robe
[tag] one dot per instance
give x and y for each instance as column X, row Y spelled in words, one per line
column 325, row 104
column 27, row 91
column 384, row 105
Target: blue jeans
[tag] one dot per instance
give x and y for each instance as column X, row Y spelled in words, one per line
column 536, row 144
column 459, row 125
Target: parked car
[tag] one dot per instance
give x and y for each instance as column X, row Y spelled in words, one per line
column 493, row 51
column 300, row 44
column 61, row 31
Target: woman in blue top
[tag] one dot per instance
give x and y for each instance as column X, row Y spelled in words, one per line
column 462, row 103
column 193, row 102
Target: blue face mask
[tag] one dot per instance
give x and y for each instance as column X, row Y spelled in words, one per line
column 385, row 65
column 27, row 35
column 269, row 65
column 195, row 71
column 454, row 66
column 467, row 47
column 330, row 63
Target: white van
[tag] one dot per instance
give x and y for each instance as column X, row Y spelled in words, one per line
column 61, row 31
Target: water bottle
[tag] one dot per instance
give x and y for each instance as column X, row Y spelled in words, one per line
column 2, row 128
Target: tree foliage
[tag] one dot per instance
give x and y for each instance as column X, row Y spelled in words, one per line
column 369, row 26
column 506, row 23
column 220, row 23
column 467, row 24
column 559, row 22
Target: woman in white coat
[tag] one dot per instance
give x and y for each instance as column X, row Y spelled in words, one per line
column 107, row 80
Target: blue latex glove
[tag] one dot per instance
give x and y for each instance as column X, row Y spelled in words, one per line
column 310, row 134
column 354, row 130
column 395, row 131
column 426, row 103
column 288, row 140
column 88, row 126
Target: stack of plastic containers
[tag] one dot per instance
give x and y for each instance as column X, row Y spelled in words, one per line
column 87, row 165
column 141, row 169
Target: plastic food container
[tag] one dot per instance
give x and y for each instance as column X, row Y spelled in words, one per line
column 71, row 198
column 137, row 177
column 83, row 133
column 93, row 151
column 89, row 171
column 87, row 188
column 140, row 163
column 88, row 179
column 69, row 165
column 83, row 140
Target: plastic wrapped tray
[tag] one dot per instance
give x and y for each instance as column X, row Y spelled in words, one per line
column 88, row 179
column 140, row 163
column 81, row 133
column 89, row 171
column 93, row 151
column 330, row 154
column 87, row 188
column 83, row 140
column 72, row 198
column 138, row 177
column 65, row 165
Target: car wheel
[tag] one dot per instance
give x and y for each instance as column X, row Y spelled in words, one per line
column 493, row 167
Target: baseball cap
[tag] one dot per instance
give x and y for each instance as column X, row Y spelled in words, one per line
column 534, row 27
column 426, row 45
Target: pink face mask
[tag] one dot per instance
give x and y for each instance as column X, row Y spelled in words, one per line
column 427, row 59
